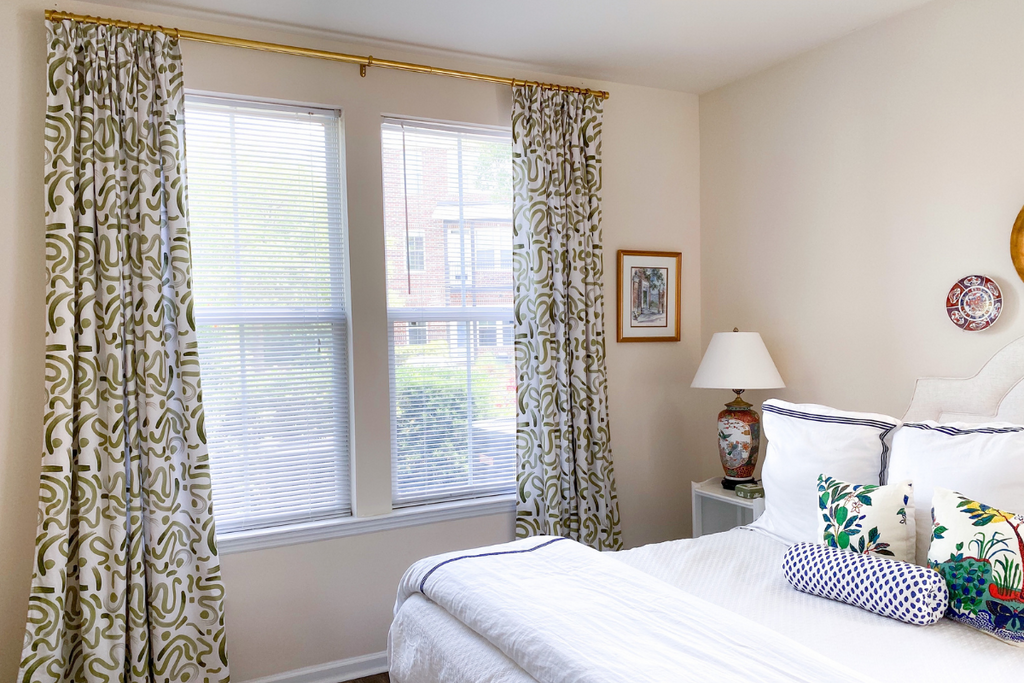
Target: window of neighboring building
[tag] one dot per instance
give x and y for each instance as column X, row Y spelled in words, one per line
column 488, row 333
column 266, row 221
column 417, row 333
column 417, row 251
column 493, row 249
column 453, row 393
column 460, row 268
column 507, row 334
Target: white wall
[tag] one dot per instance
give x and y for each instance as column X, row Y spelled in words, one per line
column 845, row 191
column 307, row 604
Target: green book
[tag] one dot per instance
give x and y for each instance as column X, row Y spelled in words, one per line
column 750, row 491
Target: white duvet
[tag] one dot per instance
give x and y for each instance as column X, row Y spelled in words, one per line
column 555, row 611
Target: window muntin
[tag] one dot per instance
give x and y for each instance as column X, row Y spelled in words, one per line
column 266, row 221
column 453, row 397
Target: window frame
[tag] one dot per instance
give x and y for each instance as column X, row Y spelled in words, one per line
column 470, row 316
column 338, row 315
column 358, row 522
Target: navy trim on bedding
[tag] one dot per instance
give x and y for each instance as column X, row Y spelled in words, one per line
column 956, row 431
column 497, row 552
column 883, row 475
column 838, row 419
column 885, row 428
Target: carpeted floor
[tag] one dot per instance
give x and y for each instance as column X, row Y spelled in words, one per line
column 379, row 678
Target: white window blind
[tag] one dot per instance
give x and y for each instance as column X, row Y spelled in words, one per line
column 268, row 268
column 448, row 219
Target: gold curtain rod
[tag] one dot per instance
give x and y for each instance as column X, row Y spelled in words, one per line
column 363, row 62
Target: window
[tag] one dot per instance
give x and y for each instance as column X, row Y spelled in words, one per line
column 488, row 333
column 460, row 270
column 452, row 390
column 268, row 267
column 417, row 333
column 493, row 249
column 417, row 252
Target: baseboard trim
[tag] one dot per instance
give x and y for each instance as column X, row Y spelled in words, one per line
column 332, row 672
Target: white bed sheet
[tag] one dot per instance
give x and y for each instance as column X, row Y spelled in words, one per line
column 740, row 570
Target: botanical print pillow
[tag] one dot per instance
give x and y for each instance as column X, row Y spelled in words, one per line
column 979, row 550
column 866, row 518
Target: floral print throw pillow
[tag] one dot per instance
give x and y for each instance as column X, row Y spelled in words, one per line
column 866, row 518
column 979, row 550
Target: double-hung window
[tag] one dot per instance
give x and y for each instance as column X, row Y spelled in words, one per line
column 417, row 254
column 448, row 225
column 266, row 219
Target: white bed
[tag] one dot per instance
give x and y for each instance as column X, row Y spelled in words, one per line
column 739, row 573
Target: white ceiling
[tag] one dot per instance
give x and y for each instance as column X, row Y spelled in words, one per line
column 688, row 45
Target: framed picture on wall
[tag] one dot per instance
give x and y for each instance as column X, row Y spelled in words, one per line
column 648, row 296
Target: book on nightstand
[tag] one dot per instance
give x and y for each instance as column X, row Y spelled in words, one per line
column 749, row 491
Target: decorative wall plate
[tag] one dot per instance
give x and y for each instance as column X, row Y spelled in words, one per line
column 974, row 303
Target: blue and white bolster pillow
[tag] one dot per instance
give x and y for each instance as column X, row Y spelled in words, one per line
column 894, row 589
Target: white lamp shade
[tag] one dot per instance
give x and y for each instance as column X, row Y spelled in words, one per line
column 737, row 360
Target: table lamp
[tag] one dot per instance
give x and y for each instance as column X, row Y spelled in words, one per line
column 737, row 359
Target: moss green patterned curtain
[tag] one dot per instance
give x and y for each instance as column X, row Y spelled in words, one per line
column 127, row 583
column 565, row 479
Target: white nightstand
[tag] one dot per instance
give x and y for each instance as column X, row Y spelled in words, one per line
column 716, row 509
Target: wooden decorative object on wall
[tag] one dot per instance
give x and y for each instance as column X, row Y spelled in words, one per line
column 649, row 288
column 1017, row 244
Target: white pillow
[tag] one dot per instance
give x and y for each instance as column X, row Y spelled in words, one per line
column 806, row 440
column 981, row 461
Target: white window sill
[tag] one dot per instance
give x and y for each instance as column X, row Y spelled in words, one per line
column 308, row 532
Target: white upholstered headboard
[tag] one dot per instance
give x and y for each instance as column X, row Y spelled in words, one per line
column 995, row 394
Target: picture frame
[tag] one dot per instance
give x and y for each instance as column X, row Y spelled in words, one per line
column 649, row 288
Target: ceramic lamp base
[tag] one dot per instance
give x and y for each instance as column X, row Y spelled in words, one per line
column 739, row 438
